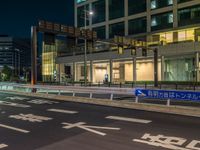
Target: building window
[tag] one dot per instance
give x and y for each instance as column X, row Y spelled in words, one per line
column 137, row 26
column 182, row 1
column 116, row 9
column 81, row 16
column 99, row 11
column 80, row 1
column 162, row 21
column 190, row 15
column 101, row 32
column 155, row 4
column 116, row 29
column 136, row 6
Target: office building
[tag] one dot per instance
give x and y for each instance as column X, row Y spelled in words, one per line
column 171, row 26
column 15, row 53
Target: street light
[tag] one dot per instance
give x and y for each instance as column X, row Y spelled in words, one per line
column 86, row 13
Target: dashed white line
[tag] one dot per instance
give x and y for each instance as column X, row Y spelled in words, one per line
column 3, row 146
column 63, row 111
column 13, row 128
column 129, row 119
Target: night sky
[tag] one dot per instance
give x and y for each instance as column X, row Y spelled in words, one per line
column 17, row 16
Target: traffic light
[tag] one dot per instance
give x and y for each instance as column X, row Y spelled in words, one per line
column 144, row 52
column 120, row 49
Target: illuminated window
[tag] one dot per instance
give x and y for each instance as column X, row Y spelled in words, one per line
column 153, row 4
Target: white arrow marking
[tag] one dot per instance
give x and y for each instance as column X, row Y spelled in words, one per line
column 13, row 104
column 13, row 128
column 129, row 119
column 17, row 98
column 3, row 146
column 63, row 111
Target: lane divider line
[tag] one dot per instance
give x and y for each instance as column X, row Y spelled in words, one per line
column 135, row 120
column 63, row 111
column 13, row 128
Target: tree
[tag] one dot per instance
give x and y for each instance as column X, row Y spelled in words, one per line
column 6, row 73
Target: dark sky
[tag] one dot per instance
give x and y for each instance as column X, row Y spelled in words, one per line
column 17, row 16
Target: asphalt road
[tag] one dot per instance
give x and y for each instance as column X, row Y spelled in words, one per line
column 29, row 123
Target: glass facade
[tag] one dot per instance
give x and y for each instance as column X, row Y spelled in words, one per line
column 137, row 26
column 179, row 69
column 81, row 16
column 190, row 15
column 49, row 54
column 116, row 29
column 99, row 9
column 155, row 4
column 136, row 6
column 101, row 32
column 116, row 9
column 162, row 21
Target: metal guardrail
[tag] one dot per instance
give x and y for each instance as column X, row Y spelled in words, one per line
column 69, row 89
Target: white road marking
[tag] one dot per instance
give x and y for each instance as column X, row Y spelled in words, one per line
column 13, row 128
column 3, row 146
column 82, row 125
column 13, row 104
column 173, row 143
column 63, row 111
column 129, row 119
column 17, row 98
column 42, row 101
column 30, row 117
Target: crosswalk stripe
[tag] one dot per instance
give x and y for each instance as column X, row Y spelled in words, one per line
column 63, row 111
column 13, row 128
column 129, row 119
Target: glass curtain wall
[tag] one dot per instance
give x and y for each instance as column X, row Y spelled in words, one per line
column 116, row 9
column 99, row 9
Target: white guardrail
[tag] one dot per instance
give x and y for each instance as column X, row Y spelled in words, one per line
column 68, row 89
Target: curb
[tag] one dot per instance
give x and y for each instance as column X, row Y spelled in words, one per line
column 177, row 110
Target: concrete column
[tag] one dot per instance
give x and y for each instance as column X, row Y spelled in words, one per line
column 162, row 68
column 175, row 14
column 107, row 19
column 126, row 16
column 74, row 71
column 134, row 69
column 33, row 55
column 91, row 71
column 148, row 16
column 197, row 66
column 111, row 70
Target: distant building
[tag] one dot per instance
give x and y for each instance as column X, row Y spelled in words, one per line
column 15, row 53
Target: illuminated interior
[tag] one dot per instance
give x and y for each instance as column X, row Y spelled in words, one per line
column 190, row 34
column 49, row 69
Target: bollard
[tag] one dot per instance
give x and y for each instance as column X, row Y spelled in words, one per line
column 136, row 99
column 132, row 84
column 59, row 92
column 145, row 85
column 47, row 92
column 120, row 85
column 176, row 86
column 168, row 102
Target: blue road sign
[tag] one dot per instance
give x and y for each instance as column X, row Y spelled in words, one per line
column 168, row 94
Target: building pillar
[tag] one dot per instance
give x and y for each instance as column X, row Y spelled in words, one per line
column 162, row 68
column 33, row 55
column 175, row 13
column 135, row 69
column 74, row 71
column 126, row 16
column 91, row 71
column 111, row 70
column 107, row 19
column 148, row 16
column 197, row 66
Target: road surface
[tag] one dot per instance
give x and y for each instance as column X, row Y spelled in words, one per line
column 31, row 123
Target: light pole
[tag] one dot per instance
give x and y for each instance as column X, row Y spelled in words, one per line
column 89, row 13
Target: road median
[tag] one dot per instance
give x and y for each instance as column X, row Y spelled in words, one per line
column 179, row 110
